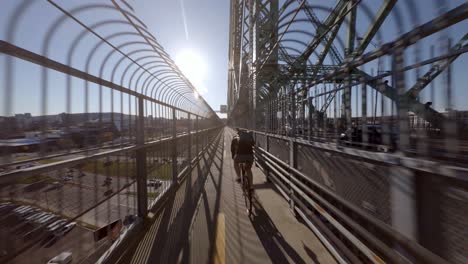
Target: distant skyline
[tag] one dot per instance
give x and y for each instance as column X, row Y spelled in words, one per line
column 200, row 26
column 164, row 21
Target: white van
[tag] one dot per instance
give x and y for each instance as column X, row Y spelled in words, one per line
column 62, row 258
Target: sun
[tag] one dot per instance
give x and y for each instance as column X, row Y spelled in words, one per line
column 192, row 66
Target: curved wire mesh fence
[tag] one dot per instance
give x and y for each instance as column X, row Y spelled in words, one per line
column 97, row 124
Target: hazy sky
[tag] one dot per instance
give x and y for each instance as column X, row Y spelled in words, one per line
column 207, row 24
column 197, row 27
column 201, row 32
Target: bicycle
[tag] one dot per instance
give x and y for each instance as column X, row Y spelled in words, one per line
column 247, row 191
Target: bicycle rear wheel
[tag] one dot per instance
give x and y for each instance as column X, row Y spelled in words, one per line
column 247, row 190
column 249, row 196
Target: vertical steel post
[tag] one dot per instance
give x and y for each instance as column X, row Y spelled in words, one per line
column 197, row 142
column 428, row 193
column 406, row 200
column 293, row 109
column 403, row 202
column 266, row 126
column 310, row 116
column 267, row 148
column 293, row 164
column 174, row 145
column 351, row 17
column 402, row 103
column 189, row 131
column 450, row 124
column 141, row 171
column 365, row 136
column 252, row 5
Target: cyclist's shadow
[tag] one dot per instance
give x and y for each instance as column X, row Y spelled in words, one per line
column 272, row 240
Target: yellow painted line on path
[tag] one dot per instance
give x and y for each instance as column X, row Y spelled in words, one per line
column 219, row 256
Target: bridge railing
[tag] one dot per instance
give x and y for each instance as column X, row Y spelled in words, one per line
column 97, row 125
column 378, row 159
column 369, row 206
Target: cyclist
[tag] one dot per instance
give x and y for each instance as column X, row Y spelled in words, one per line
column 234, row 144
column 242, row 150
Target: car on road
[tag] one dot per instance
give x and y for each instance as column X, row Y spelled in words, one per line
column 107, row 181
column 56, row 231
column 21, row 208
column 66, row 229
column 40, row 229
column 36, row 215
column 46, row 219
column 45, row 216
column 56, row 224
column 24, row 166
column 355, row 137
column 62, row 258
column 6, row 207
column 67, row 178
column 154, row 183
column 27, row 212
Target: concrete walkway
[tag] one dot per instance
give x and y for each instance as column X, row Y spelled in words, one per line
column 208, row 222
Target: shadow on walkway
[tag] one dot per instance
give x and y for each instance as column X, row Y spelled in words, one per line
column 275, row 245
column 171, row 241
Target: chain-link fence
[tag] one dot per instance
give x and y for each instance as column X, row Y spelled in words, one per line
column 97, row 125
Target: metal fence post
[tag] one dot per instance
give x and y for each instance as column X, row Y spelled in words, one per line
column 429, row 222
column 196, row 137
column 310, row 116
column 403, row 202
column 141, row 171
column 292, row 163
column 174, row 145
column 189, row 131
column 267, row 147
column 293, row 110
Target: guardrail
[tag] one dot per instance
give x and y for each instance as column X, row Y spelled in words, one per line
column 367, row 207
column 124, row 249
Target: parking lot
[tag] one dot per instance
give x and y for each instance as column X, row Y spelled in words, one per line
column 48, row 233
column 34, row 209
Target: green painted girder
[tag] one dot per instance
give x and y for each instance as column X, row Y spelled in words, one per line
column 383, row 12
column 327, row 40
column 436, row 69
column 421, row 110
column 327, row 24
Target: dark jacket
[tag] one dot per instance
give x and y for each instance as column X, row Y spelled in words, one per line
column 234, row 143
column 245, row 144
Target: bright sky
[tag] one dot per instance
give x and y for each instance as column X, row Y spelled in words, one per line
column 196, row 39
column 193, row 32
column 201, row 35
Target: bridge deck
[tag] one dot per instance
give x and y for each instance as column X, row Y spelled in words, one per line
column 207, row 222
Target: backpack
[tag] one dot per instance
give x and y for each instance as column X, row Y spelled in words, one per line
column 245, row 144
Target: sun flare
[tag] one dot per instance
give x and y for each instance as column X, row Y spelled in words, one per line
column 192, row 66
